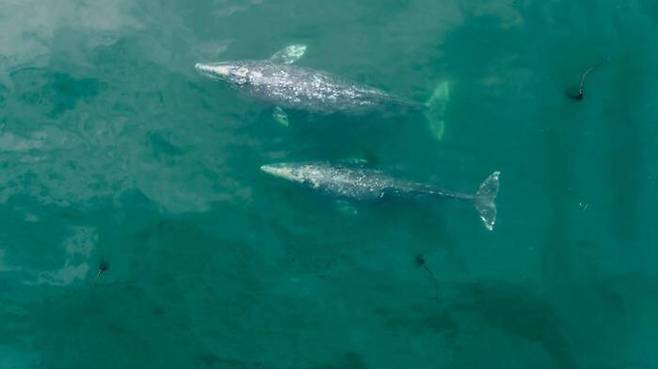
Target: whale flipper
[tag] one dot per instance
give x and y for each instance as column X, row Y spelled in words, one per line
column 356, row 161
column 346, row 207
column 280, row 116
column 435, row 109
column 289, row 55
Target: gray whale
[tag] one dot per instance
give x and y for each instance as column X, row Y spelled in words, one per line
column 294, row 87
column 360, row 183
column 279, row 82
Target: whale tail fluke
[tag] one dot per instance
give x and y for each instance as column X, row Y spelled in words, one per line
column 485, row 198
column 435, row 109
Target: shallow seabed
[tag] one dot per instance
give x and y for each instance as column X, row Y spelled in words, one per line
column 113, row 148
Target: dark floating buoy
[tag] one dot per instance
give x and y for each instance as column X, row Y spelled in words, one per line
column 420, row 260
column 422, row 263
column 578, row 93
column 103, row 266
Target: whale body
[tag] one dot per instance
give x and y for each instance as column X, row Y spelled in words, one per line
column 284, row 85
column 294, row 87
column 359, row 183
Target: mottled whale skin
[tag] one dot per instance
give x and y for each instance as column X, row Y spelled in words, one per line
column 358, row 183
column 294, row 87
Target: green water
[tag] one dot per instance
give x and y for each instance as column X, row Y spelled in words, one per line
column 113, row 148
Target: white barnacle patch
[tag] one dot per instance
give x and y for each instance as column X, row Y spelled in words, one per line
column 312, row 175
column 256, row 78
column 241, row 75
column 242, row 72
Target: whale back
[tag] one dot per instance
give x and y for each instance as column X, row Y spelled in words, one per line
column 295, row 87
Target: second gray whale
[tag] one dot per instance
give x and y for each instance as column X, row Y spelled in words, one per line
column 360, row 183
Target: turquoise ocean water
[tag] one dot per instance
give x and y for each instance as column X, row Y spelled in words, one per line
column 113, row 148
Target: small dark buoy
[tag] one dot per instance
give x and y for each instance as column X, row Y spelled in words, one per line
column 576, row 94
column 420, row 260
column 103, row 266
column 579, row 92
column 422, row 263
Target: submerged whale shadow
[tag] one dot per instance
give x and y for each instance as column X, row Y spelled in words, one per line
column 336, row 136
column 409, row 221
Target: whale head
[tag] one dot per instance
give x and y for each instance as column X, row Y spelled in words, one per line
column 313, row 174
column 285, row 171
column 234, row 72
